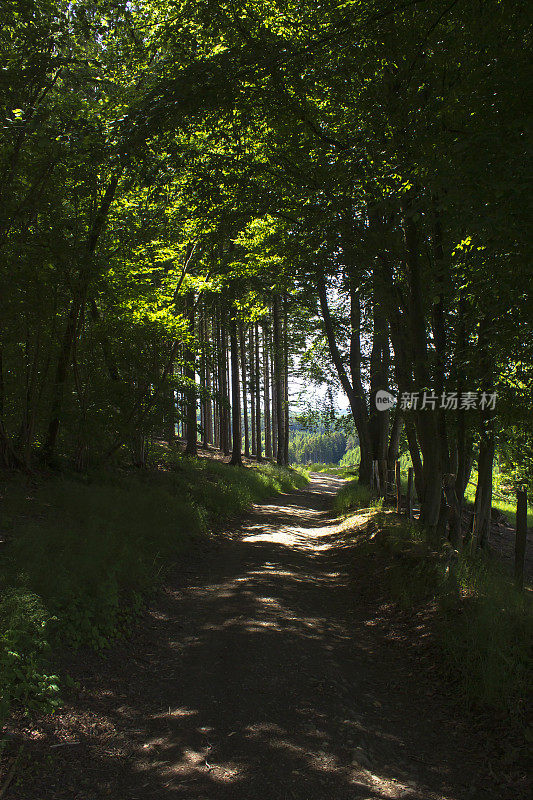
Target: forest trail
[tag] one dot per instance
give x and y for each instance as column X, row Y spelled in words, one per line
column 263, row 674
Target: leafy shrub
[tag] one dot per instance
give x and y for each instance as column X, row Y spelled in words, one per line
column 24, row 654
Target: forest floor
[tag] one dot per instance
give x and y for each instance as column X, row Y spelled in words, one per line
column 271, row 667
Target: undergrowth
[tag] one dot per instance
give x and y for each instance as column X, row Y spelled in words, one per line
column 484, row 625
column 82, row 552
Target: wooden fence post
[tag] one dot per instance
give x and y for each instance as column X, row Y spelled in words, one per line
column 398, row 488
column 384, row 478
column 377, row 482
column 521, row 537
column 410, row 493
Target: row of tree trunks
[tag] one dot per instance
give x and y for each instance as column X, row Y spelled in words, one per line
column 253, row 359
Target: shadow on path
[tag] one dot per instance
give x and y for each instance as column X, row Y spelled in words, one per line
column 261, row 673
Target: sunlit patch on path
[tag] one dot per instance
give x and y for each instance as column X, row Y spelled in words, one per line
column 263, row 674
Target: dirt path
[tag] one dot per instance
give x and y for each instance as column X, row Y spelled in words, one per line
column 261, row 674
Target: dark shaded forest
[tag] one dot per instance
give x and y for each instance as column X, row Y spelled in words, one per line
column 215, row 215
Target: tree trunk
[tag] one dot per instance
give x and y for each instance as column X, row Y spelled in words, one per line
column 379, row 368
column 278, row 381
column 76, row 307
column 257, row 390
column 286, row 380
column 242, row 337
column 483, row 501
column 191, row 434
column 251, row 362
column 266, row 380
column 274, row 406
column 354, row 390
column 236, row 458
column 224, row 399
column 426, row 421
column 393, row 450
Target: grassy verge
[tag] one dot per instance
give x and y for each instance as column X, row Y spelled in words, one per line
column 353, row 496
column 484, row 625
column 80, row 555
column 333, row 469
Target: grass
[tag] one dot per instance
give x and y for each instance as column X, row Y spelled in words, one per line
column 484, row 625
column 82, row 553
column 353, row 496
column 333, row 469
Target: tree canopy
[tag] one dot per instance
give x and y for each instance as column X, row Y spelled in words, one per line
column 200, row 199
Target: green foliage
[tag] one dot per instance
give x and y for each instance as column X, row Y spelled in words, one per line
column 351, row 457
column 309, row 447
column 25, row 679
column 84, row 553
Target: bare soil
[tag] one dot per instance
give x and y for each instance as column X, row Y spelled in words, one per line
column 270, row 668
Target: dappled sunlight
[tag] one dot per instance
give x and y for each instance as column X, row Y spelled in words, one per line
column 259, row 676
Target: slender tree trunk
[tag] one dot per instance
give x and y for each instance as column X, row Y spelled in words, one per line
column 266, row 380
column 379, row 368
column 274, row 407
column 207, row 403
column 354, row 390
column 76, row 307
column 414, row 450
column 278, row 381
column 286, row 379
column 427, row 420
column 257, row 389
column 191, row 448
column 224, row 405
column 393, row 450
column 109, row 359
column 208, row 407
column 63, row 364
column 483, row 501
column 251, row 384
column 242, row 337
column 216, row 387
column 236, row 458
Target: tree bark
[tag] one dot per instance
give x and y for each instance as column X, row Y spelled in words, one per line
column 286, row 380
column 77, row 304
column 266, row 381
column 252, row 390
column 242, row 337
column 191, row 431
column 236, row 456
column 274, row 407
column 278, row 380
column 257, row 389
column 426, row 421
